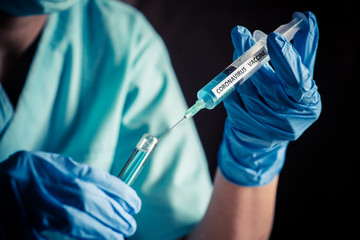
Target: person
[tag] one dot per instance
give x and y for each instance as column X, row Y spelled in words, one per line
column 82, row 80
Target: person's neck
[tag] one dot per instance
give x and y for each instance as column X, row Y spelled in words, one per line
column 16, row 35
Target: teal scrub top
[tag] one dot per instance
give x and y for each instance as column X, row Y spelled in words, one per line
column 100, row 78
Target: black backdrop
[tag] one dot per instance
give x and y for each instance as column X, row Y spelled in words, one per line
column 317, row 190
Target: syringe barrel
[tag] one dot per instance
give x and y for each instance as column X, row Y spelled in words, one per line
column 299, row 21
column 234, row 75
column 247, row 64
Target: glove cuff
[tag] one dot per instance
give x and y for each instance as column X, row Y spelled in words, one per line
column 247, row 163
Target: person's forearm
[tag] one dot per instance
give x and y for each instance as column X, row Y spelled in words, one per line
column 237, row 212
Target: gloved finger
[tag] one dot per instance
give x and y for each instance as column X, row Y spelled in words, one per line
column 86, row 198
column 306, row 42
column 288, row 65
column 87, row 227
column 242, row 40
column 112, row 185
column 50, row 189
column 105, row 209
column 83, row 194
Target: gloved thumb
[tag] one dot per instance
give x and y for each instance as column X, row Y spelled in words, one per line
column 297, row 79
column 242, row 40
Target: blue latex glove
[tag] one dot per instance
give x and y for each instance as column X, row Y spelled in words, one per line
column 273, row 107
column 42, row 191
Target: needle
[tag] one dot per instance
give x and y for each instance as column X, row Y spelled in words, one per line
column 170, row 129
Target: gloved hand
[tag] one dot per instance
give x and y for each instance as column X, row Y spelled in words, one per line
column 43, row 191
column 271, row 108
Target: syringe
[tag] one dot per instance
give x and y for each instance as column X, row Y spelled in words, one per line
column 243, row 67
column 215, row 91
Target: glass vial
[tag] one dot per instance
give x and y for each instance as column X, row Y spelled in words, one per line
column 138, row 159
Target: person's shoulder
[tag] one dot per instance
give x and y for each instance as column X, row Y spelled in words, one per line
column 119, row 20
column 115, row 10
column 119, row 8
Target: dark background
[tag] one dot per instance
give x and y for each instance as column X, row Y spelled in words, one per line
column 317, row 195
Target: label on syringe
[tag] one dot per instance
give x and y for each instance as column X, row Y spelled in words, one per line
column 240, row 73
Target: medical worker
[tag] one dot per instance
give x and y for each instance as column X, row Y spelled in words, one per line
column 83, row 80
